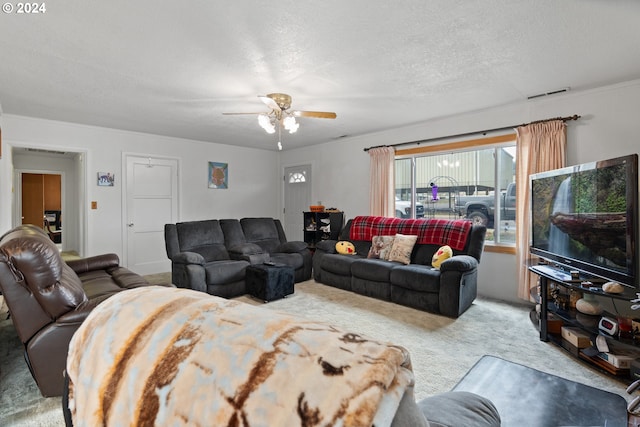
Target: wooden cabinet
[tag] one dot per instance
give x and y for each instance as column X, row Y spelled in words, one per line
column 321, row 226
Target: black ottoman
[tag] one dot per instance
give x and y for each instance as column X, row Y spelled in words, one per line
column 269, row 282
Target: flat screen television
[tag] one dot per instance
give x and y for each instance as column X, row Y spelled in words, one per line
column 585, row 218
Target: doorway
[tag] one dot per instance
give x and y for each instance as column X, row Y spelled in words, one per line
column 70, row 167
column 297, row 198
column 42, row 202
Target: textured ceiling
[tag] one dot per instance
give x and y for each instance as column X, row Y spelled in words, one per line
column 173, row 68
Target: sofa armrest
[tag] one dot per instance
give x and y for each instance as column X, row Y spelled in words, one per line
column 292, row 247
column 458, row 285
column 460, row 408
column 98, row 262
column 328, row 246
column 81, row 312
column 188, row 258
column 460, row 263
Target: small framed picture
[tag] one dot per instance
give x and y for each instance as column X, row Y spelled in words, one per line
column 218, row 175
column 106, row 179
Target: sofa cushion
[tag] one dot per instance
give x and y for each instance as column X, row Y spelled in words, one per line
column 261, row 231
column 290, row 247
column 402, row 248
column 223, row 272
column 416, row 277
column 377, row 270
column 194, row 234
column 98, row 283
column 339, row 264
column 212, row 252
column 233, row 234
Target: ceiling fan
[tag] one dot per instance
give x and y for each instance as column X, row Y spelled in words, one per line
column 281, row 114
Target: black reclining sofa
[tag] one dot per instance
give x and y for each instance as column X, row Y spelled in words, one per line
column 449, row 290
column 212, row 255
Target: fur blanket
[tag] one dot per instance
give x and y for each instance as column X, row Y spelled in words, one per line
column 161, row 356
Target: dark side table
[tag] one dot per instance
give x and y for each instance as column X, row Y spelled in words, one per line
column 269, row 282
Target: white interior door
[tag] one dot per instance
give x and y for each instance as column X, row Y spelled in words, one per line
column 297, row 198
column 151, row 202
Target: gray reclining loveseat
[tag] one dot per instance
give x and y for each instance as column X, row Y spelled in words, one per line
column 212, row 255
column 449, row 290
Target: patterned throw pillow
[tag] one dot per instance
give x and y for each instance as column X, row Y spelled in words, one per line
column 402, row 248
column 380, row 247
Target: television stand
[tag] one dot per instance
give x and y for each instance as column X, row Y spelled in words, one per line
column 558, row 273
column 558, row 314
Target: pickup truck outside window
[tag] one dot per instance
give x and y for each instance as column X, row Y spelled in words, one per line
column 477, row 184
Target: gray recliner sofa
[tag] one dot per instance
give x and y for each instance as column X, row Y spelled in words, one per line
column 212, row 255
column 200, row 260
column 449, row 291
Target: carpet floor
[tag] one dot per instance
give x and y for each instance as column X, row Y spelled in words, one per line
column 442, row 349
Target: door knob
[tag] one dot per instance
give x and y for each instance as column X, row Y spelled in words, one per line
column 130, row 224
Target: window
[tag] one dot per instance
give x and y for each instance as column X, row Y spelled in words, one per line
column 472, row 179
column 297, row 177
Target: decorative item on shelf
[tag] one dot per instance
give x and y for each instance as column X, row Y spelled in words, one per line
column 317, row 208
column 635, row 330
column 625, row 327
column 332, row 210
column 613, row 288
column 574, row 296
column 312, row 225
column 588, row 304
column 325, row 225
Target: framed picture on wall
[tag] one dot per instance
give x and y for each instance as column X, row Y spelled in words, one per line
column 106, row 179
column 218, row 175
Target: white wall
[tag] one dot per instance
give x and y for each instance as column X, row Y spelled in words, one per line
column 609, row 127
column 253, row 174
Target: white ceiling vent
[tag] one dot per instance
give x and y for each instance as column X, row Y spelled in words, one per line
column 553, row 92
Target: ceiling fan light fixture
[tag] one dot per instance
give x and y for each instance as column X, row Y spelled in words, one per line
column 265, row 123
column 290, row 124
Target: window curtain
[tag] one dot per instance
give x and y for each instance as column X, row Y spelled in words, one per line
column 540, row 147
column 382, row 181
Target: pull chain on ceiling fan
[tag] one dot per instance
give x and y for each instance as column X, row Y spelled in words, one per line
column 282, row 116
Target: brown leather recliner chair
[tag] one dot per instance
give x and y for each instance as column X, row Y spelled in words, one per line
column 49, row 299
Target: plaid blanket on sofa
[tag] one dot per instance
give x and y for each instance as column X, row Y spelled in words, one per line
column 429, row 231
column 170, row 356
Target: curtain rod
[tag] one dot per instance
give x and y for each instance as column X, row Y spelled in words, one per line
column 484, row 132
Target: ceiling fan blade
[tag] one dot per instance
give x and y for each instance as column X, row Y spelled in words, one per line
column 316, row 114
column 271, row 103
column 238, row 114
